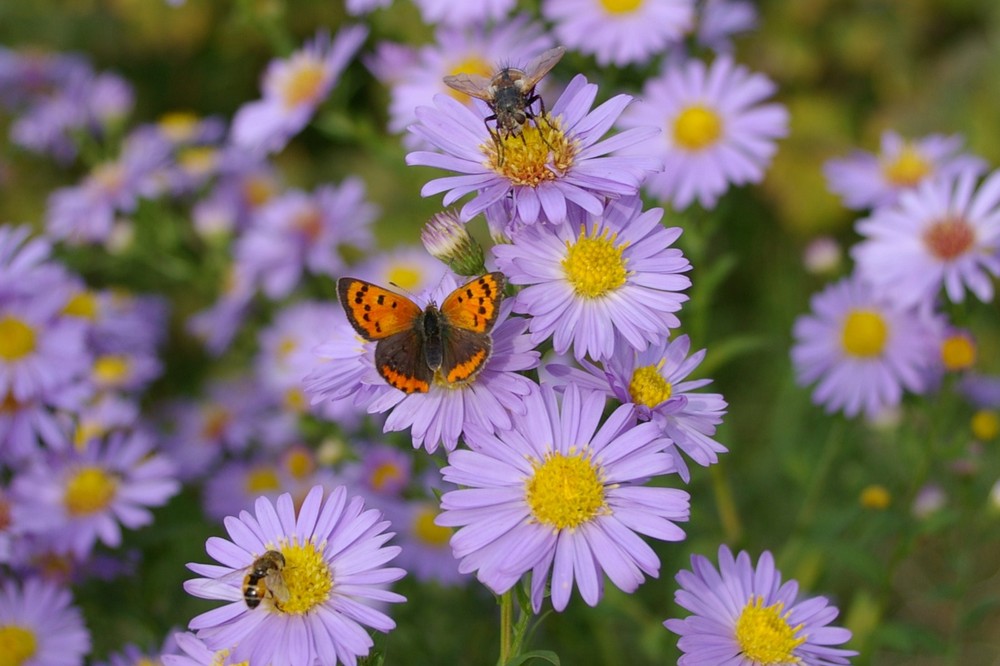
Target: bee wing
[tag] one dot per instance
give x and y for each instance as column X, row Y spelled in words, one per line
column 275, row 583
column 541, row 66
column 219, row 582
column 470, row 84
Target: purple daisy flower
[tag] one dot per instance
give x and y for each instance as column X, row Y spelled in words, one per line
column 719, row 130
column 557, row 164
column 334, row 554
column 944, row 233
column 246, row 182
column 298, row 231
column 383, row 472
column 865, row 180
column 94, row 492
column 440, row 416
column 426, row 553
column 415, row 77
column 293, row 88
column 744, row 615
column 863, row 349
column 721, row 19
column 25, row 265
column 593, row 284
column 356, row 7
column 652, row 381
column 562, row 492
column 620, row 32
column 40, row 625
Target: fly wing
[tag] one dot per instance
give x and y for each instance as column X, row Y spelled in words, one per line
column 541, row 66
column 401, row 361
column 471, row 84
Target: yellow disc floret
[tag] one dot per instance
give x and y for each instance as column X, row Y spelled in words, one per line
column 865, row 333
column 950, row 238
column 595, row 264
column 958, row 352
column 17, row 339
column 908, row 169
column 405, row 276
column 111, row 369
column 875, row 496
column 302, row 84
column 17, row 645
column 621, row 6
column 473, row 64
column 764, row 635
column 648, row 387
column 307, row 577
column 82, row 305
column 697, row 127
column 540, row 152
column 89, row 490
column 262, row 479
column 566, row 490
column 427, row 531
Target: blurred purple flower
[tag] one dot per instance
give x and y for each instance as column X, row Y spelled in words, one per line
column 40, row 624
column 465, row 13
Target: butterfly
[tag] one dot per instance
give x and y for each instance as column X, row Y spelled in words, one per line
column 418, row 346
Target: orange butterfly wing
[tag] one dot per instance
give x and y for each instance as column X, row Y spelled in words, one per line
column 475, row 305
column 374, row 312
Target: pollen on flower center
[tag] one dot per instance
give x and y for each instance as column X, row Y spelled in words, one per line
column 17, row 339
column 865, row 333
column 302, row 84
column 111, row 369
column 405, row 277
column 949, row 238
column 908, row 169
column 540, row 152
column 17, row 645
column 89, row 490
column 82, row 305
column 299, row 463
column 178, row 125
column 764, row 635
column 621, row 6
column 958, row 352
column 594, row 264
column 648, row 387
column 262, row 480
column 565, row 490
column 307, row 577
column 427, row 531
column 384, row 474
column 697, row 127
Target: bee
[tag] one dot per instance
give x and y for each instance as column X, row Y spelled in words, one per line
column 510, row 93
column 264, row 580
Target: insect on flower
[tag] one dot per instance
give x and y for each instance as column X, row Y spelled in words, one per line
column 263, row 580
column 510, row 93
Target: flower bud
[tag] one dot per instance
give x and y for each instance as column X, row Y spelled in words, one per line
column 447, row 239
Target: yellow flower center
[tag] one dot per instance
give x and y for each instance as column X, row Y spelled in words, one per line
column 958, row 352
column 540, row 152
column 295, row 400
column 85, row 432
column 261, row 480
column 178, row 125
column 198, row 159
column 949, row 238
column 216, row 419
column 384, row 474
column 286, row 346
column 307, row 577
column 594, row 264
column 82, row 305
column 310, row 223
column 565, row 490
column 17, row 645
column 621, row 6
column 697, row 127
column 865, row 333
column 405, row 277
column 303, row 83
column 764, row 635
column 110, row 177
column 908, row 169
column 985, row 425
column 875, row 497
column 473, row 64
column 300, row 463
column 89, row 490
column 427, row 531
column 648, row 387
column 258, row 190
column 111, row 369
column 17, row 339
column 146, row 661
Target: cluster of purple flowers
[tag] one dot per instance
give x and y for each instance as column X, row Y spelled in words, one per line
column 932, row 234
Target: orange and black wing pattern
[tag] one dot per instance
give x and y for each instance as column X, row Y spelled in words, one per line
column 374, row 312
column 464, row 354
column 475, row 305
column 401, row 361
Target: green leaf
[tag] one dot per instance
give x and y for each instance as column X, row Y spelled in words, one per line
column 544, row 655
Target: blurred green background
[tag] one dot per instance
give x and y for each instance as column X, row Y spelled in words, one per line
column 915, row 590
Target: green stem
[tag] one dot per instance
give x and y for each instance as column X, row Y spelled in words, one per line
column 814, row 494
column 506, row 623
column 728, row 515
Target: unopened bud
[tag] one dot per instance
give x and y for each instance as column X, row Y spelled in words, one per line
column 447, row 239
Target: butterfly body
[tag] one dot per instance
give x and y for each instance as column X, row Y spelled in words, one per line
column 417, row 347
